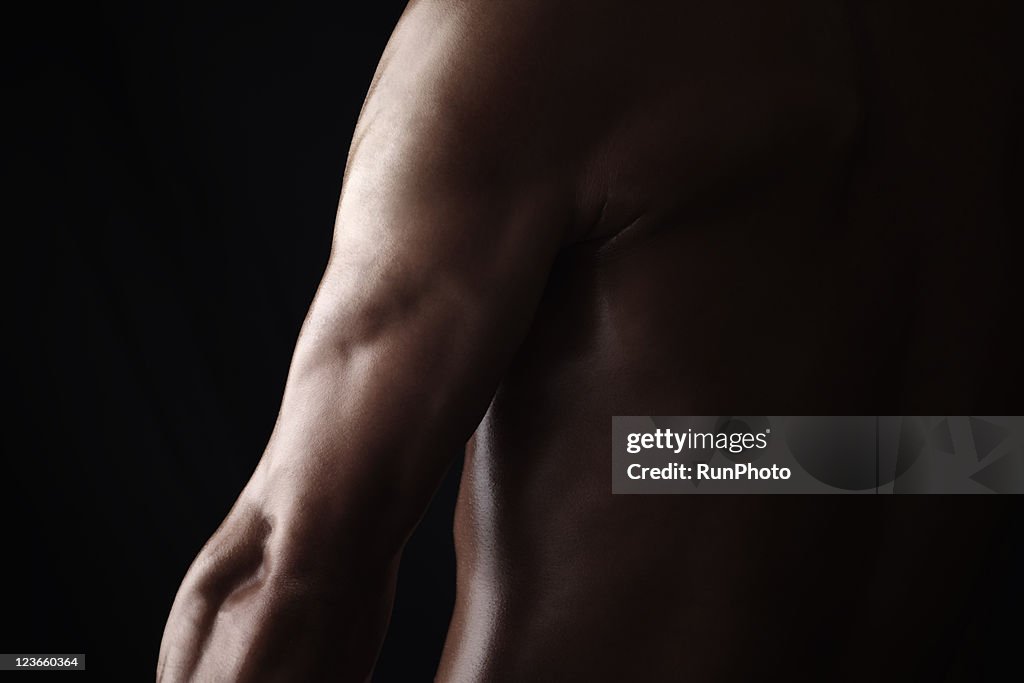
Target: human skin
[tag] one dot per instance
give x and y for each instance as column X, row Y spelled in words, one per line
column 556, row 212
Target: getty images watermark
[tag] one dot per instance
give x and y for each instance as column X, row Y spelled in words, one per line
column 817, row 454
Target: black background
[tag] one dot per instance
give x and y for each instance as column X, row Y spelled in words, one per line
column 181, row 168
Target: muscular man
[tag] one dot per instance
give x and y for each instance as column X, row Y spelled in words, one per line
column 557, row 212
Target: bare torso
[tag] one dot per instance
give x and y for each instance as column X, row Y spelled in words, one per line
column 808, row 218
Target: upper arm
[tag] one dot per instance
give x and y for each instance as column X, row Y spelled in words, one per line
column 455, row 197
column 453, row 209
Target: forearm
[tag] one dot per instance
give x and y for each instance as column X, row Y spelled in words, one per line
column 312, row 545
column 384, row 388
